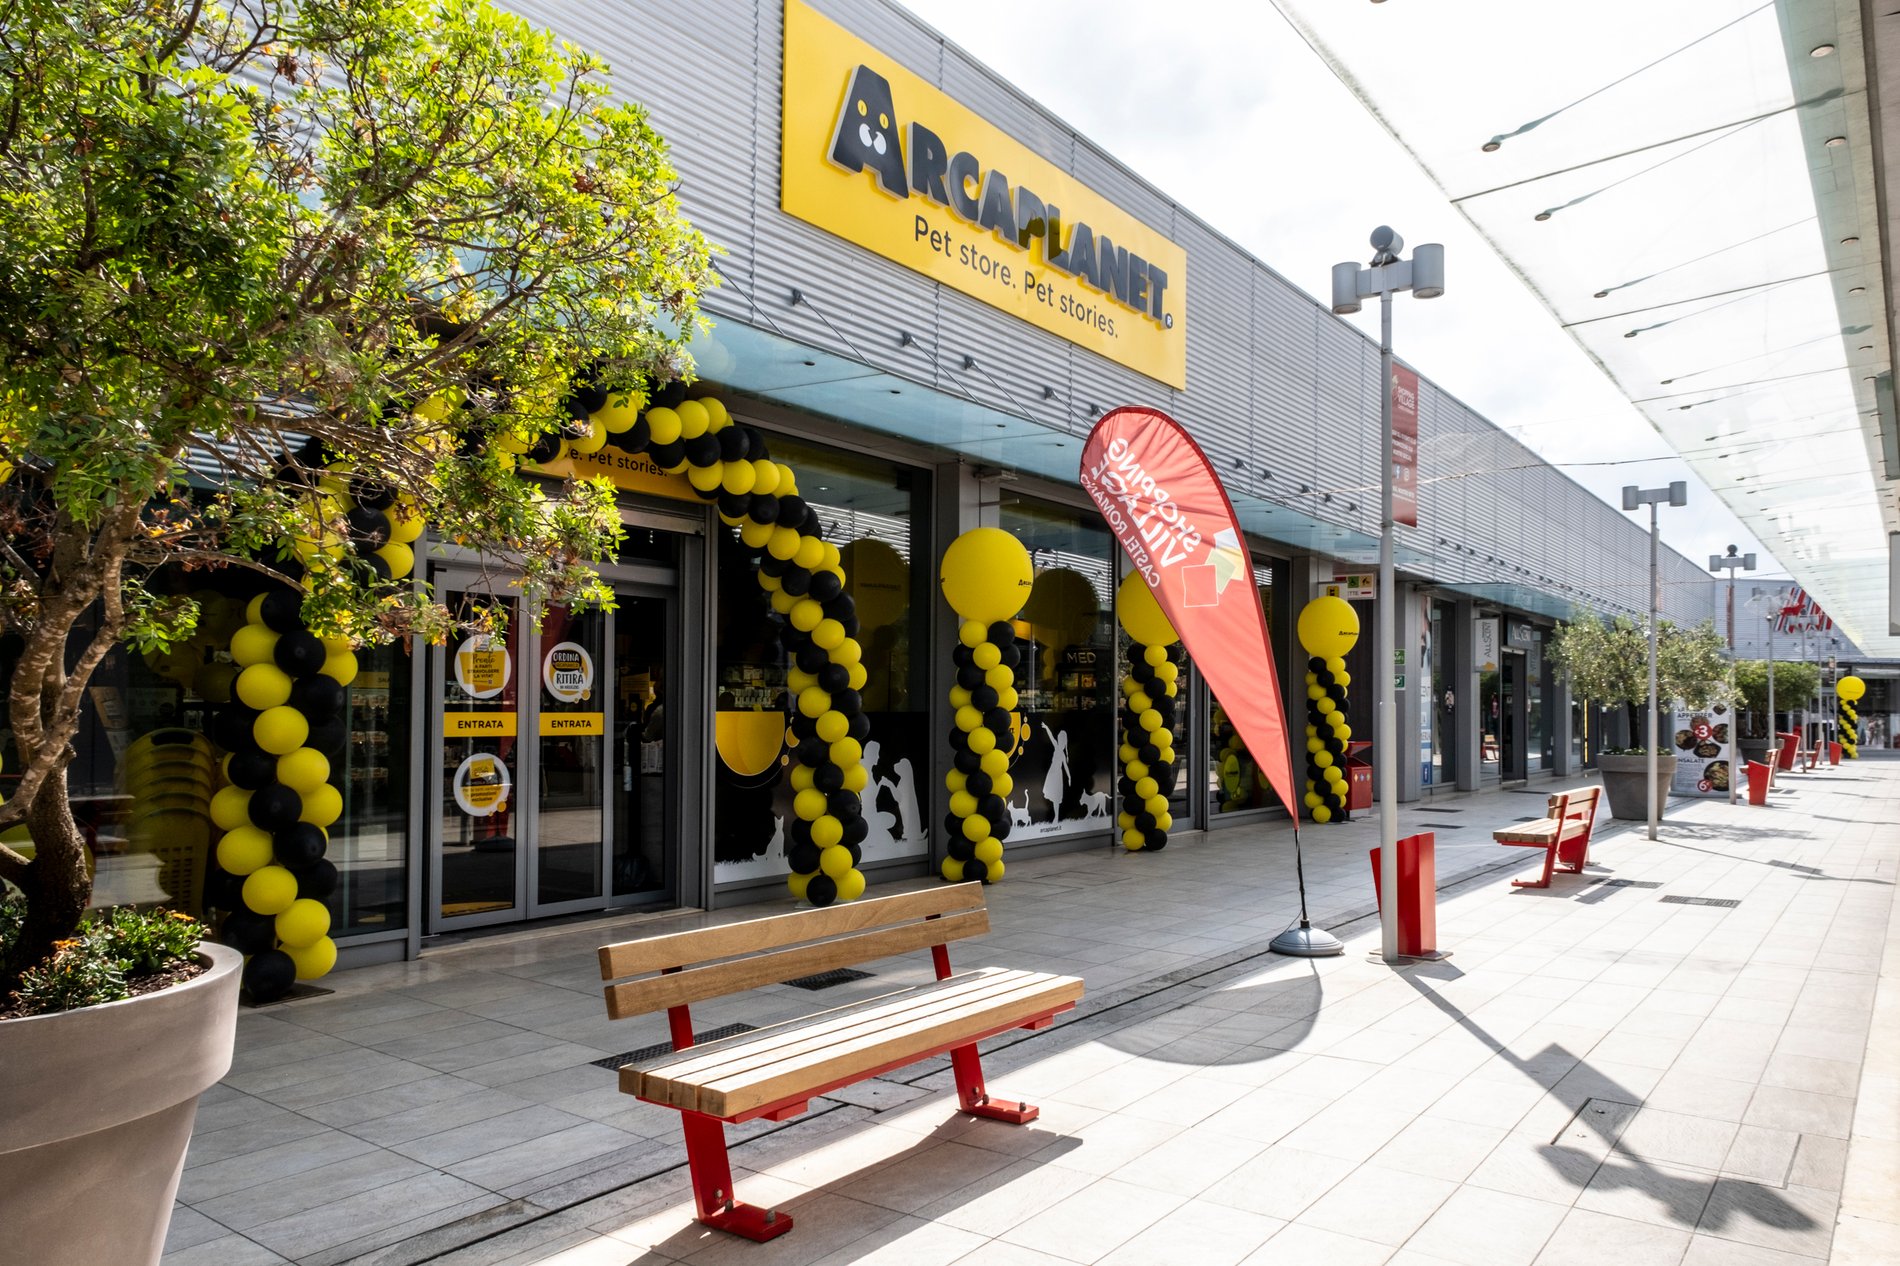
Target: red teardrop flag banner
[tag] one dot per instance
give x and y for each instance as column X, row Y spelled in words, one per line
column 1166, row 506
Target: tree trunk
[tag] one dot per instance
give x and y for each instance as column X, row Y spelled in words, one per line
column 56, row 885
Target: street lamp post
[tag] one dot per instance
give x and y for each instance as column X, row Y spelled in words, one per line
column 1387, row 275
column 1676, row 494
column 1719, row 563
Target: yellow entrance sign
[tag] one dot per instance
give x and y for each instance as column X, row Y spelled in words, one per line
column 880, row 157
column 557, row 723
column 630, row 472
column 478, row 725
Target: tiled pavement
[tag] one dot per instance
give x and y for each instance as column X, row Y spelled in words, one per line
column 1596, row 1074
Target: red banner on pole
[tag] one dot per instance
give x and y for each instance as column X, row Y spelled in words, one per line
column 1166, row 506
column 1404, row 446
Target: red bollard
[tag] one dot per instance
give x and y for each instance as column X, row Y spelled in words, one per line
column 1418, row 894
column 1758, row 782
column 1833, row 753
column 1784, row 759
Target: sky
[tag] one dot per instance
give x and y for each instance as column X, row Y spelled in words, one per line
column 1229, row 113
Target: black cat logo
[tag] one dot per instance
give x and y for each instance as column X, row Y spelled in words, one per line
column 867, row 132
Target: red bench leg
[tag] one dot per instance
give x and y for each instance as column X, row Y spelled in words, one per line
column 1542, row 881
column 972, row 1098
column 712, row 1184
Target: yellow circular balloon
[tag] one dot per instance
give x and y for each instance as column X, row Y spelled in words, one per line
column 303, row 770
column 834, row 860
column 989, row 851
column 739, row 478
column 340, row 667
column 1850, row 688
column 765, row 477
column 253, row 644
column 1132, row 840
column 592, row 442
column 973, row 633
column 244, row 849
column 806, row 614
column 851, row 885
column 280, row 730
column 231, row 809
column 694, row 419
column 304, row 924
column 315, row 960
column 619, row 413
column 828, row 635
column 814, row 702
column 986, row 575
column 1322, row 814
column 1141, row 614
column 982, row 740
column 976, row 828
column 707, row 478
column 783, row 543
column 952, row 870
column 810, row 553
column 1328, row 627
column 263, row 686
column 665, row 425
column 405, row 524
column 846, row 753
column 809, row 805
column 270, row 890
column 856, row 777
column 798, row 883
column 401, row 559
column 323, row 806
column 987, row 656
column 833, row 726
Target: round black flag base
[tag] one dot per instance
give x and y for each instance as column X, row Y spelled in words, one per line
column 1307, row 941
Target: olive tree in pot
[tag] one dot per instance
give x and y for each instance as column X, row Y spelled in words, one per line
column 240, row 245
column 1794, row 683
column 1607, row 660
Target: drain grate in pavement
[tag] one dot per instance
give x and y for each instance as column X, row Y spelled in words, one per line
column 1726, row 903
column 1430, row 810
column 826, row 979
column 1628, row 883
column 617, row 1062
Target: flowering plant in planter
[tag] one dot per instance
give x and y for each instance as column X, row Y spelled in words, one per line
column 114, row 955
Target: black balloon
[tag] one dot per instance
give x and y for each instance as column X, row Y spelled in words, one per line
column 732, row 444
column 299, row 845
column 966, row 761
column 253, row 769
column 795, row 581
column 369, row 527
column 978, row 783
column 231, row 728
column 275, row 807
column 281, row 610
column 970, row 677
column 702, row 449
column 812, row 751
column 976, row 870
column 860, row 728
column 668, row 396
column 827, row 777
column 811, row 659
column 983, row 698
column 802, row 858
column 855, row 832
column 996, row 721
column 318, row 697
column 843, row 805
column 833, row 678
column 960, row 847
column 223, row 890
column 1003, row 633
column 825, row 587
column 755, row 450
column 269, row 975
column 329, row 736
column 545, row 448
column 847, row 700
column 735, row 505
column 822, row 890
column 248, row 932
column 667, row 456
column 764, row 509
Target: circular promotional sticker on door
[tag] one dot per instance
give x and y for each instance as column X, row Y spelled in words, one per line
column 483, row 666
column 568, row 671
column 482, row 784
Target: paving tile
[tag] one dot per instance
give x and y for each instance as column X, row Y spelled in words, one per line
column 1190, row 1162
column 1643, row 1192
column 309, row 1190
column 1439, row 1149
column 228, row 1250
column 1821, row 1162
column 1094, row 1221
column 1706, row 1250
column 1588, row 1238
column 1802, row 1111
column 1382, row 1205
column 218, row 1178
column 1302, row 1243
column 1281, row 1182
column 1197, row 1234
column 1762, row 1155
column 190, row 1227
column 1006, row 1197
column 1789, row 1219
column 1480, row 1227
column 1676, row 1138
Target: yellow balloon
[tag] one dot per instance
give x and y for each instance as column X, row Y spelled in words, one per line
column 304, row 924
column 340, row 667
column 833, row 726
column 694, row 419
column 405, row 524
column 303, row 770
column 973, row 633
column 1850, row 688
column 1328, row 627
column 231, row 809
column 322, row 806
column 989, row 851
column 1141, row 614
column 835, row 860
column 811, row 552
column 856, row 777
column 809, row 804
column 739, row 478
column 253, row 644
column 592, row 442
column 783, row 543
column 798, row 883
column 986, row 575
column 619, row 414
column 314, row 960
column 270, row 890
column 952, row 870
column 707, row 478
column 244, row 849
column 263, row 686
column 764, row 477
column 665, row 425
column 846, row 753
column 280, row 731
column 401, row 559
column 851, row 885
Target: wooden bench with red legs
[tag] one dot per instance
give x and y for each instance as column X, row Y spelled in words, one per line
column 775, row 1072
column 1563, row 833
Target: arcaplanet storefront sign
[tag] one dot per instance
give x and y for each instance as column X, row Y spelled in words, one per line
column 883, row 159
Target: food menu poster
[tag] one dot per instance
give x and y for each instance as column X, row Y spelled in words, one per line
column 1704, row 751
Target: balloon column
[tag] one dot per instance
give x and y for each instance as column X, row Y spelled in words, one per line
column 281, row 733
column 727, row 462
column 1328, row 628
column 1850, row 689
column 986, row 577
column 1148, row 692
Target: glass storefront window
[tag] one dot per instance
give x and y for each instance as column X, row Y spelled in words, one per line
column 1440, row 700
column 1235, row 783
column 1063, row 765
column 1537, row 735
column 875, row 513
column 145, row 771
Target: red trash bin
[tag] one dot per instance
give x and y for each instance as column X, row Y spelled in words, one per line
column 1418, row 894
column 1758, row 782
column 1833, row 753
column 1785, row 758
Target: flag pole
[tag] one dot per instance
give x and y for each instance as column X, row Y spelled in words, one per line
column 1304, row 941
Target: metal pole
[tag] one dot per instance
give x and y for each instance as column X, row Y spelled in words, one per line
column 1386, row 731
column 1654, row 602
column 1774, row 742
column 1735, row 721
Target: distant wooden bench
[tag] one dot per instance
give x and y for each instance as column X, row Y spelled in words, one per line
column 775, row 1072
column 1563, row 833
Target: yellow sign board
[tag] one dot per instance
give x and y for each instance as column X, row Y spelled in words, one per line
column 630, row 472
column 558, row 723
column 880, row 157
column 478, row 725
column 371, row 681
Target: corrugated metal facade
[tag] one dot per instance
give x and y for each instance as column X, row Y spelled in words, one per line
column 1276, row 383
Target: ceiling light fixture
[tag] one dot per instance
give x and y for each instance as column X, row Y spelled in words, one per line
column 1821, row 50
column 1849, row 241
column 1835, row 142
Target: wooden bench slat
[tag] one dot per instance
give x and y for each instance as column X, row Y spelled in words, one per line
column 703, row 945
column 747, row 1052
column 878, row 1043
column 696, row 984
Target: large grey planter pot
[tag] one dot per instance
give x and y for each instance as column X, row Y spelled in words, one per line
column 1626, row 783
column 95, row 1113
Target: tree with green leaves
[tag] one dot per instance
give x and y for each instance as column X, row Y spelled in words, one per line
column 1795, row 684
column 1607, row 659
column 241, row 242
